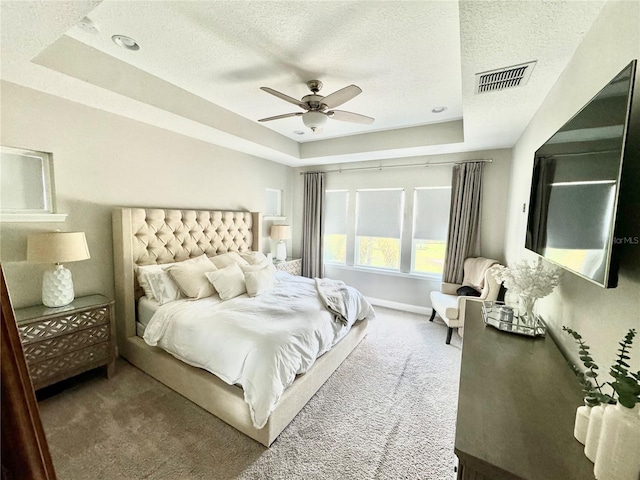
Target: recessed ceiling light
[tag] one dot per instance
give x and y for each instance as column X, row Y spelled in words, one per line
column 438, row 109
column 125, row 42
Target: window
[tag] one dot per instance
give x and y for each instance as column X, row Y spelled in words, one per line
column 335, row 226
column 25, row 181
column 379, row 228
column 430, row 225
column 26, row 187
column 273, row 203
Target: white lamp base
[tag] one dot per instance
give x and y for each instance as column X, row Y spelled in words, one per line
column 57, row 287
column 281, row 251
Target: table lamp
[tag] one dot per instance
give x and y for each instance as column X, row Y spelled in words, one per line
column 281, row 233
column 57, row 248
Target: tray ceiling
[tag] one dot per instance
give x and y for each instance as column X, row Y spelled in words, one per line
column 200, row 67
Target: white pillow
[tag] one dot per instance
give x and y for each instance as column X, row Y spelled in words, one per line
column 259, row 278
column 226, row 259
column 254, row 258
column 143, row 270
column 191, row 280
column 228, row 281
column 164, row 289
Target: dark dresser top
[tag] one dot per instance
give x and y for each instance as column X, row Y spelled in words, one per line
column 516, row 406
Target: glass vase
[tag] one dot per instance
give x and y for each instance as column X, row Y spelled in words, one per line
column 617, row 456
column 525, row 306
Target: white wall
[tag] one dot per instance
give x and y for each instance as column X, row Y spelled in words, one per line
column 403, row 290
column 602, row 316
column 101, row 161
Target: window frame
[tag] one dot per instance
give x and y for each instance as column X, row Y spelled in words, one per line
column 278, row 201
column 356, row 242
column 412, row 269
column 346, row 233
column 48, row 212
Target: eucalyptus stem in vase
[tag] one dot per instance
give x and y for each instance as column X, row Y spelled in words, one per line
column 592, row 389
column 613, row 436
column 626, row 384
column 617, row 455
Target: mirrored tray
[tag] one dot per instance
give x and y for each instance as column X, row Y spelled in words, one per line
column 507, row 318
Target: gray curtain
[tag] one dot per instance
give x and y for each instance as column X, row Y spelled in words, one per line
column 463, row 237
column 312, row 224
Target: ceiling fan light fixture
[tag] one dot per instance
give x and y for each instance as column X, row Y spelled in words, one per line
column 314, row 120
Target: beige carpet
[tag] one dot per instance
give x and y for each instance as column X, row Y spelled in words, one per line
column 387, row 413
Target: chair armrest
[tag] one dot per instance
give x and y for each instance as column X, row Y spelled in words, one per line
column 491, row 287
column 449, row 288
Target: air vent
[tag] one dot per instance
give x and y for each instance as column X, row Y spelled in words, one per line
column 503, row 78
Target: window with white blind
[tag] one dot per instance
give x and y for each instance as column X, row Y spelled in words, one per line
column 379, row 216
column 26, row 181
column 335, row 226
column 430, row 225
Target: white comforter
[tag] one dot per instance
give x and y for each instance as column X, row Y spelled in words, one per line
column 259, row 343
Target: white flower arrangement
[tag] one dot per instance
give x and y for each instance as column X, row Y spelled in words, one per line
column 532, row 281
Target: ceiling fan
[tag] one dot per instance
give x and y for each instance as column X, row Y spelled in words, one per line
column 319, row 108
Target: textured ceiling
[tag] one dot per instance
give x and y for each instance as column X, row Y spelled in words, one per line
column 201, row 65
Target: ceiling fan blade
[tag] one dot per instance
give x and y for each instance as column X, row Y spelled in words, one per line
column 350, row 117
column 284, row 97
column 278, row 117
column 341, row 96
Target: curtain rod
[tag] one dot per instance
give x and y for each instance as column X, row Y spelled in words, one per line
column 405, row 165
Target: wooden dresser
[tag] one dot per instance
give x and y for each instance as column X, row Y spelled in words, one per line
column 516, row 408
column 62, row 342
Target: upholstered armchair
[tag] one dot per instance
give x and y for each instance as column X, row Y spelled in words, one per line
column 451, row 307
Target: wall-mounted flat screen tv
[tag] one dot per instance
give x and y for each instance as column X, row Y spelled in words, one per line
column 576, row 182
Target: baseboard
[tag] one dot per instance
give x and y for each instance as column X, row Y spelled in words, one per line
column 405, row 307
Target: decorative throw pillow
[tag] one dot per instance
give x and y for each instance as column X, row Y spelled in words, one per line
column 254, row 258
column 226, row 259
column 467, row 291
column 228, row 281
column 191, row 279
column 259, row 278
column 164, row 289
column 143, row 270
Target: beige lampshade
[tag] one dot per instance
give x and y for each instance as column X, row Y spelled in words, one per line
column 280, row 232
column 57, row 247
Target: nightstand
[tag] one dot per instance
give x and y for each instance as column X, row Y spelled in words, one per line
column 61, row 342
column 290, row 265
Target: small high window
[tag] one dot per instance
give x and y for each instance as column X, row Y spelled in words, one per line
column 26, row 186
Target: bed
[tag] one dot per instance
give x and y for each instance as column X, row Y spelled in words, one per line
column 147, row 236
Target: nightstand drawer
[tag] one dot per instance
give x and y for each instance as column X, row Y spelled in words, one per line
column 291, row 266
column 57, row 368
column 52, row 347
column 34, row 332
column 61, row 342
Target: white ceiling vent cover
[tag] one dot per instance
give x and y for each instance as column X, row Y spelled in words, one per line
column 503, row 78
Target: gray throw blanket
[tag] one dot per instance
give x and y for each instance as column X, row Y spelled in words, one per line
column 335, row 296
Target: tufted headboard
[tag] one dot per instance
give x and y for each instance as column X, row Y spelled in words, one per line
column 146, row 236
